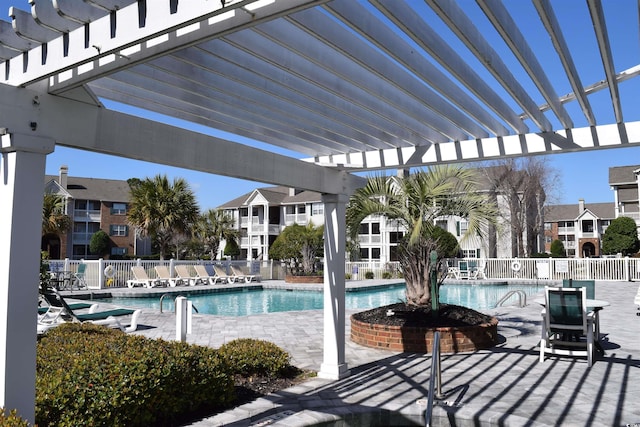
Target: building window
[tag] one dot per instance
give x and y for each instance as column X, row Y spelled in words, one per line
column 547, row 226
column 290, row 210
column 244, row 212
column 79, row 251
column 471, row 253
column 548, row 239
column 375, row 228
column 119, row 209
column 395, row 236
column 118, row 230
column 317, row 209
column 375, row 253
column 364, row 253
column 442, row 224
column 363, row 228
column 118, row 251
column 302, row 209
column 587, row 226
column 461, row 228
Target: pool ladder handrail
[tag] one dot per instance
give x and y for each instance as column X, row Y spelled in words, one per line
column 435, row 381
column 174, row 302
column 522, row 298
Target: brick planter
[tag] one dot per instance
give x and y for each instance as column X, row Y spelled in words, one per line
column 303, row 279
column 420, row 339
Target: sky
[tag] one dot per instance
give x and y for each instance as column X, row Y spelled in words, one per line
column 582, row 175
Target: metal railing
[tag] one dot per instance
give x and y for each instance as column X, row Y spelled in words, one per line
column 435, row 381
column 522, row 298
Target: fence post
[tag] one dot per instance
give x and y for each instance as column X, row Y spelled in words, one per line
column 626, row 269
column 101, row 273
column 172, row 270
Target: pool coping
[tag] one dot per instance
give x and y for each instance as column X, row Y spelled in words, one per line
column 350, row 286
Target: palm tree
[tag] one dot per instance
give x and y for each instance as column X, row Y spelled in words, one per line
column 416, row 202
column 54, row 222
column 213, row 226
column 162, row 210
column 54, row 219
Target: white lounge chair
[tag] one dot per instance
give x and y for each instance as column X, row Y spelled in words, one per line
column 164, row 276
column 222, row 274
column 239, row 275
column 203, row 275
column 141, row 278
column 183, row 273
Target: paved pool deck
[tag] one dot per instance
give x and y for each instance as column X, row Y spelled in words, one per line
column 503, row 386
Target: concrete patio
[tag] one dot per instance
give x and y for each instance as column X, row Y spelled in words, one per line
column 505, row 385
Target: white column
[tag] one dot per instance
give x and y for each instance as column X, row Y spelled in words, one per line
column 22, row 171
column 334, row 365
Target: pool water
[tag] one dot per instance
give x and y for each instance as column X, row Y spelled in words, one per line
column 248, row 302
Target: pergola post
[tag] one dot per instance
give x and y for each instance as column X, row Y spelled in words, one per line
column 22, row 172
column 334, row 365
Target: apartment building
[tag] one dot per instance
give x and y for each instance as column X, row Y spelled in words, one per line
column 93, row 204
column 263, row 213
column 625, row 183
column 579, row 227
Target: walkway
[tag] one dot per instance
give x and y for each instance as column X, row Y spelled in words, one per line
column 505, row 385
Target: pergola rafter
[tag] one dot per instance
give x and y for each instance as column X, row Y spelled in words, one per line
column 343, row 86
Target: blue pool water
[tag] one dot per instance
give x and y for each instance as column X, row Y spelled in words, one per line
column 248, row 302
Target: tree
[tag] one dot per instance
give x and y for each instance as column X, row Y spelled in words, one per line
column 99, row 243
column 54, row 219
column 214, row 226
column 299, row 246
column 621, row 236
column 524, row 185
column 416, row 202
column 162, row 210
column 446, row 243
column 557, row 249
column 231, row 249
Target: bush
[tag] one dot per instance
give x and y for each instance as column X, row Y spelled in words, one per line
column 12, row 419
column 386, row 275
column 368, row 275
column 93, row 375
column 250, row 357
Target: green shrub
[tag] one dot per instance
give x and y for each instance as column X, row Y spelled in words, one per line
column 95, row 376
column 347, row 276
column 368, row 275
column 249, row 357
column 386, row 275
column 12, row 419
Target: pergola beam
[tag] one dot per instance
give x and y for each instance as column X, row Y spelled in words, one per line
column 110, row 132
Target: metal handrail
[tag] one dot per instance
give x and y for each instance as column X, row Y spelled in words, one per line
column 435, row 381
column 522, row 298
column 174, row 300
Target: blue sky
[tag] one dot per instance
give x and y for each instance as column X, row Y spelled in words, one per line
column 582, row 175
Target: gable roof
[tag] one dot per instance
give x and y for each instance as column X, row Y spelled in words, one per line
column 277, row 195
column 106, row 190
column 619, row 175
column 555, row 213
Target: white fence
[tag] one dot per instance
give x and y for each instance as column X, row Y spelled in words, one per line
column 611, row 269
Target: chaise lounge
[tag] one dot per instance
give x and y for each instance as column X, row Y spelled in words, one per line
column 141, row 278
column 111, row 318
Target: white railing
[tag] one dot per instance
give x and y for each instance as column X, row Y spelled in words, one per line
column 553, row 269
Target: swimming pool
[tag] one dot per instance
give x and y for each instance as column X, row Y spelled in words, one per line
column 248, row 302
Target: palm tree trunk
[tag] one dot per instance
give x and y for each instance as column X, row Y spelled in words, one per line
column 416, row 265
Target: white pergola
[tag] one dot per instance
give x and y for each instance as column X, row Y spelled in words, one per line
column 350, row 85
